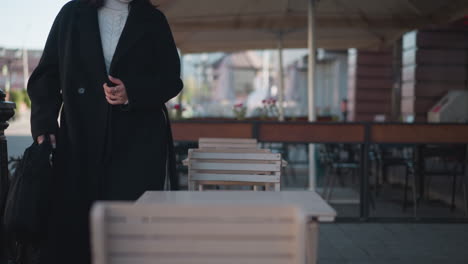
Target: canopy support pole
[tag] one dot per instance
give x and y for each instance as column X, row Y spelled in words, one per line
column 280, row 78
column 311, row 89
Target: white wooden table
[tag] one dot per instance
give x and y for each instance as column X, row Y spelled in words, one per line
column 313, row 206
column 315, row 209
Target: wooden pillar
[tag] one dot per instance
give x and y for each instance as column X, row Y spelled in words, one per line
column 370, row 82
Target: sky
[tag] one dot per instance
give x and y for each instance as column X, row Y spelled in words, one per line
column 26, row 23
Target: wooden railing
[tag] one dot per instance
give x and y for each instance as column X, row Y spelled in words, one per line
column 419, row 133
column 364, row 134
column 304, row 132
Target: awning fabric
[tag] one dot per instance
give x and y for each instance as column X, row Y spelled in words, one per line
column 228, row 25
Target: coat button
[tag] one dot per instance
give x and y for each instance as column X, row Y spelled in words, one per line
column 81, row 90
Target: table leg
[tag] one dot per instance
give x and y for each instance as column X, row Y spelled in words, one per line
column 312, row 242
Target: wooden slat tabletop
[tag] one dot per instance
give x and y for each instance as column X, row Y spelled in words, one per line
column 313, row 206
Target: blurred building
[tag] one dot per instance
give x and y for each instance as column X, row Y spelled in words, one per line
column 331, row 84
column 435, row 62
column 405, row 81
column 234, row 74
column 16, row 65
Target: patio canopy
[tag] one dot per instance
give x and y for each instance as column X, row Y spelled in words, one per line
column 228, row 25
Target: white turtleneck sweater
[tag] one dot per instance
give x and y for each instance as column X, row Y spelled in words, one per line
column 112, row 17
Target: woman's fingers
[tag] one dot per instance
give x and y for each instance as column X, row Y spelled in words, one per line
column 110, row 101
column 109, row 93
column 115, row 99
column 115, row 80
column 115, row 95
column 53, row 141
column 40, row 139
column 118, row 101
column 113, row 90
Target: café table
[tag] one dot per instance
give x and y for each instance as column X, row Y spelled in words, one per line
column 313, row 207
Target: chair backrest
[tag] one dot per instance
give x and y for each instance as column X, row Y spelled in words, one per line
column 128, row 233
column 223, row 143
column 234, row 167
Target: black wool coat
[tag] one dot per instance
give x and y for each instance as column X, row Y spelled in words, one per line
column 104, row 152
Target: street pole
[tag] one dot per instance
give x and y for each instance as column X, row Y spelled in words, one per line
column 25, row 68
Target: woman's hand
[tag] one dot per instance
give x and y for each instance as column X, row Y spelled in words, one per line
column 116, row 95
column 41, row 138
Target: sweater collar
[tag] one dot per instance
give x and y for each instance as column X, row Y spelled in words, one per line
column 117, row 5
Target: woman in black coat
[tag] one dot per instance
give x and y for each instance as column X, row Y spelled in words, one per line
column 114, row 140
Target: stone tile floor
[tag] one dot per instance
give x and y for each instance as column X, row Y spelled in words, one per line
column 366, row 243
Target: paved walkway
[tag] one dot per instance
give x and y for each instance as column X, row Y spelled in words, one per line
column 370, row 243
column 19, row 135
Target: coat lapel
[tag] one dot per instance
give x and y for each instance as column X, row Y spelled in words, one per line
column 137, row 23
column 90, row 43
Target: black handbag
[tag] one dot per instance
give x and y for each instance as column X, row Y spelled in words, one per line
column 28, row 201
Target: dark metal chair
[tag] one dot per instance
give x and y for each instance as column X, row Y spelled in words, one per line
column 444, row 161
column 341, row 163
column 386, row 157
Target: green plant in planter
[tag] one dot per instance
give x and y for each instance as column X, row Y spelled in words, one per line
column 263, row 111
column 17, row 97
column 27, row 100
column 260, row 113
column 240, row 111
column 270, row 108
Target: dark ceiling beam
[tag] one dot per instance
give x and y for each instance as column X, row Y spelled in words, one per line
column 282, row 23
column 455, row 9
column 415, row 8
